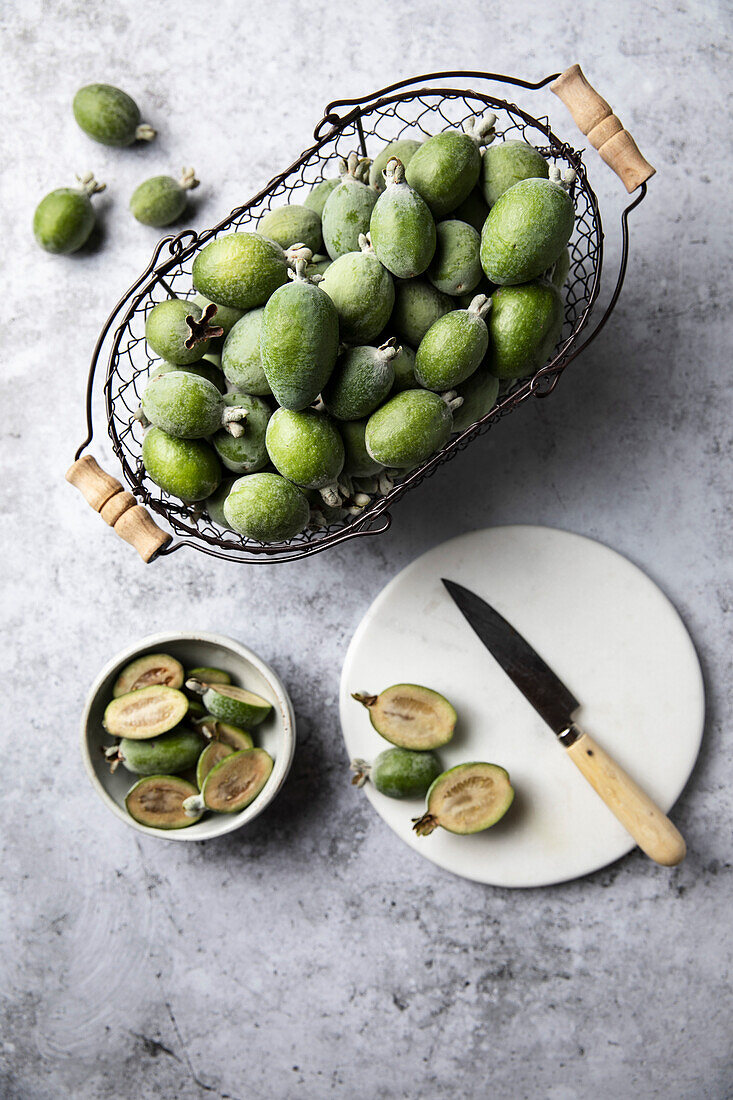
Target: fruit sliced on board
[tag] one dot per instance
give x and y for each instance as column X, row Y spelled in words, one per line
column 466, row 799
column 398, row 773
column 232, row 704
column 169, row 754
column 157, row 801
column 216, row 730
column 411, row 716
column 233, row 783
column 153, row 668
column 212, row 755
column 144, row 713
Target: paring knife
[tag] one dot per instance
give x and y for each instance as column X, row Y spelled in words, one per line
column 640, row 816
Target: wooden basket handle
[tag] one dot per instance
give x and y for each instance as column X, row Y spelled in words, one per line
column 597, row 121
column 118, row 508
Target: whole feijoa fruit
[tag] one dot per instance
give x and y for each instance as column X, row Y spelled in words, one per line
column 307, row 449
column 299, row 340
column 189, row 407
column 64, row 218
column 403, row 149
column 185, row 468
column 168, row 754
column 402, row 229
column 170, row 331
column 466, row 799
column 398, row 773
column 446, row 167
column 418, row 305
column 266, row 507
column 316, row 197
column 204, row 369
column 404, row 370
column 526, row 230
column 226, row 316
column 561, row 269
column 524, row 326
column 215, row 503
column 505, row 164
column 479, row 394
column 456, row 265
column 241, row 359
column 452, row 348
column 292, row 224
column 361, row 380
column 162, row 199
column 240, row 270
column 357, row 462
column 110, row 116
column 362, row 290
column 473, row 210
column 408, row 428
column 245, row 453
column 348, row 208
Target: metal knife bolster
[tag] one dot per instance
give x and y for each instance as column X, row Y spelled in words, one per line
column 569, row 735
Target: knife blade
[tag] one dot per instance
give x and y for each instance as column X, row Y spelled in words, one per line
column 555, row 703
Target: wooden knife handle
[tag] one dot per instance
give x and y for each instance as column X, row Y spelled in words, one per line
column 640, row 816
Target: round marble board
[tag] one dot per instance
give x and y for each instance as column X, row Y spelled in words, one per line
column 604, row 627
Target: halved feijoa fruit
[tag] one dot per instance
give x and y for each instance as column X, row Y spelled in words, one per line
column 213, row 754
column 233, row 783
column 145, row 713
column 232, row 704
column 411, row 716
column 153, row 668
column 168, row 754
column 216, row 730
column 466, row 799
column 209, row 675
column 398, row 773
column 157, row 801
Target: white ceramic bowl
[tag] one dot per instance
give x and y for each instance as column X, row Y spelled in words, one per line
column 276, row 734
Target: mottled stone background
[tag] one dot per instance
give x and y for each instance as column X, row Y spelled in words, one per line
column 313, row 954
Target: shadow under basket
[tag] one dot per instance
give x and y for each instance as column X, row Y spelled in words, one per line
column 406, row 109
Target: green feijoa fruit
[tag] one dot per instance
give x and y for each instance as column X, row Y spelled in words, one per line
column 402, row 229
column 64, row 218
column 362, row 290
column 505, row 164
column 411, row 716
column 212, row 755
column 561, row 269
column 186, row 468
column 153, row 668
column 402, row 149
column 316, row 198
column 240, row 270
column 266, row 507
column 524, row 326
column 233, row 783
column 196, row 710
column 110, row 116
column 362, row 379
column 210, row 675
column 226, row 317
column 358, row 462
column 215, row 505
column 190, row 407
column 204, row 369
column 168, row 754
column 228, row 734
column 348, row 208
column 306, row 448
column 479, row 393
column 472, row 210
column 299, row 340
column 484, row 287
column 318, row 265
column 404, row 370
column 162, row 199
column 452, row 348
column 456, row 266
column 168, row 330
column 241, row 360
column 417, row 306
column 293, row 224
column 526, row 230
column 234, row 705
column 157, row 801
column 445, row 169
column 408, row 428
column 398, row 773
column 245, row 453
column 144, row 713
column 466, row 799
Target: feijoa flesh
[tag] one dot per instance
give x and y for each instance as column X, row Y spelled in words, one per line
column 157, row 801
column 144, row 713
column 466, row 799
column 186, row 468
column 64, row 219
column 110, row 116
column 398, row 773
column 411, row 716
column 233, row 783
column 153, row 668
column 212, row 755
column 234, row 705
column 168, row 754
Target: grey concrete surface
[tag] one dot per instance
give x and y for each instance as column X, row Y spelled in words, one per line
column 312, row 954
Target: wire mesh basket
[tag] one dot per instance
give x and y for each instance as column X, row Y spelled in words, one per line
column 365, row 126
